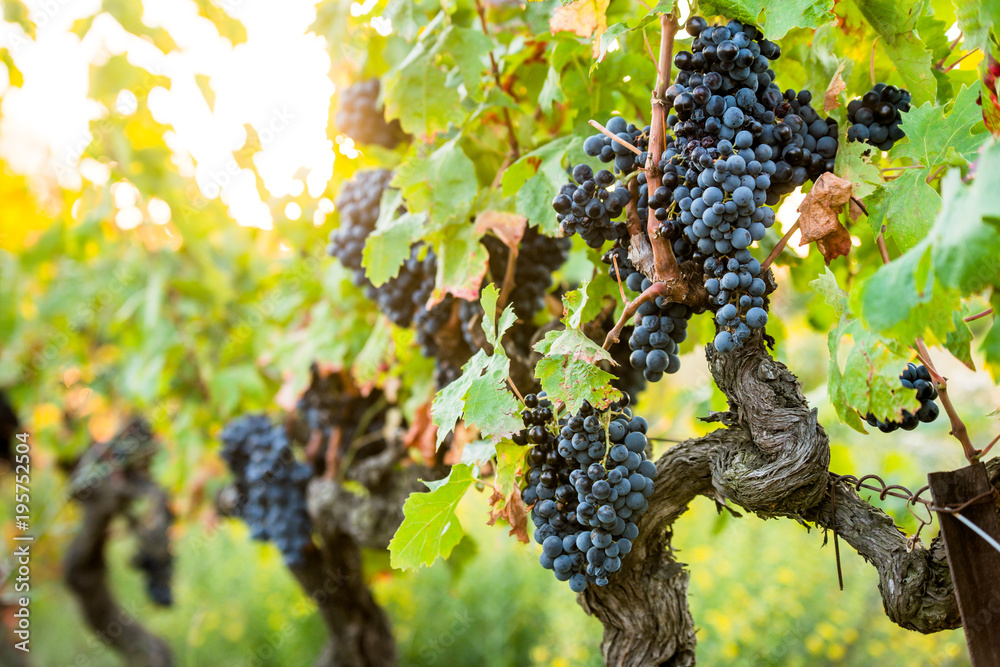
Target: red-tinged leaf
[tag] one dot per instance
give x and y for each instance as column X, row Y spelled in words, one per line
column 509, row 227
column 583, row 18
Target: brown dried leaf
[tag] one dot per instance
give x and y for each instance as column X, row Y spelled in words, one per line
column 509, row 227
column 854, row 210
column 818, row 216
column 422, row 434
column 831, row 99
column 837, row 244
column 583, row 18
column 513, row 512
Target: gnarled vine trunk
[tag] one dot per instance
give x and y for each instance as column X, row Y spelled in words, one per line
column 772, row 458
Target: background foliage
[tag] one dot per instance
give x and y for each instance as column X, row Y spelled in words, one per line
column 166, row 203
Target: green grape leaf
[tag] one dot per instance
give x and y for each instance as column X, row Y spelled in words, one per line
column 389, row 246
column 478, row 452
column 991, row 349
column 895, row 23
column 961, row 252
column 936, row 136
column 780, row 16
column 480, row 394
column 976, row 18
column 827, row 287
column 442, row 184
column 835, row 381
column 470, row 49
column 551, row 91
column 535, row 179
column 869, row 381
column 462, row 262
column 494, row 331
column 919, row 305
column 430, row 527
column 568, row 372
column 959, row 341
column 416, row 92
column 906, row 206
column 854, row 163
column 510, row 458
column 573, row 381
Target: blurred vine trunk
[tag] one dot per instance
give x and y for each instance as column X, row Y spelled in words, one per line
column 360, row 633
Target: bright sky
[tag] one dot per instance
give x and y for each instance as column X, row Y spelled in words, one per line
column 276, row 81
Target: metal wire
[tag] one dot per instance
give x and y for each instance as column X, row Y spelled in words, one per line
column 912, row 499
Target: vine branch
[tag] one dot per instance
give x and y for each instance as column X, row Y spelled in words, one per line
column 651, row 292
column 958, row 428
column 515, row 149
column 664, row 263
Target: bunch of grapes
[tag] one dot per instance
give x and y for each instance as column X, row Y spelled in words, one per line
column 587, row 485
column 917, row 378
column 362, row 119
column 589, row 205
column 358, row 205
column 271, row 484
column 875, row 116
column 660, row 328
column 157, row 571
column 740, row 143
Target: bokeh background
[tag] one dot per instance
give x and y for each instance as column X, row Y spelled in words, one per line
column 167, row 176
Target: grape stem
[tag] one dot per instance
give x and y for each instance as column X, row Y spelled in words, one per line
column 956, row 63
column 515, row 150
column 508, row 279
column 880, row 241
column 779, row 247
column 986, row 450
column 618, row 275
column 514, row 389
column 664, row 263
column 985, row 313
column 614, row 137
column 649, row 49
column 958, row 428
column 871, row 61
column 951, row 48
column 651, row 292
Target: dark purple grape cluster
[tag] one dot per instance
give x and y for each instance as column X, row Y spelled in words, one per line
column 739, row 145
column 362, row 119
column 917, row 378
column 590, row 205
column 587, row 485
column 875, row 116
column 271, row 484
column 357, row 203
column 157, row 570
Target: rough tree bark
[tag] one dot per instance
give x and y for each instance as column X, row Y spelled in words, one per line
column 86, row 572
column 360, row 633
column 771, row 459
